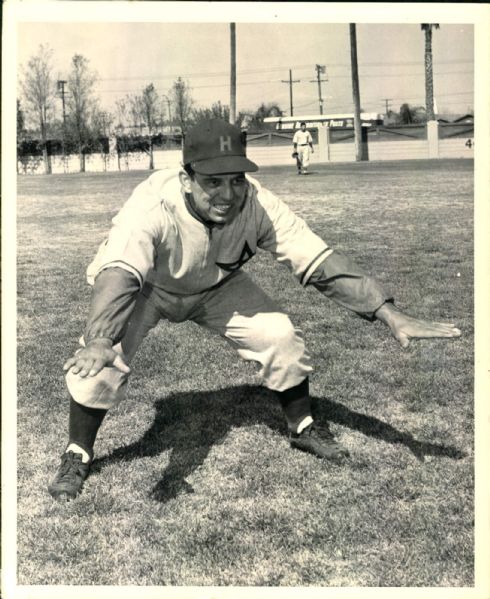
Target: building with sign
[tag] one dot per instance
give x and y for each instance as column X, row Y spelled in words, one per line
column 333, row 121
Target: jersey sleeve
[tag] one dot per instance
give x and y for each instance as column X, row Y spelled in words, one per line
column 343, row 281
column 113, row 298
column 137, row 230
column 288, row 237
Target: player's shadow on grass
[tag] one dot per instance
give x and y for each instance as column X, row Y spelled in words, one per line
column 190, row 424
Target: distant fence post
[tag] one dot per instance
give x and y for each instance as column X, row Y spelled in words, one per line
column 323, row 144
column 364, row 143
column 433, row 138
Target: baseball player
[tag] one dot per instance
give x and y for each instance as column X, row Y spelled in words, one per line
column 303, row 145
column 175, row 252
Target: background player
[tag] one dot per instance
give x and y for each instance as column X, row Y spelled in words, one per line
column 175, row 252
column 303, row 145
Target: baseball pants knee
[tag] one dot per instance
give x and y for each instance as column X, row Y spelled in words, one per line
column 257, row 328
column 238, row 310
column 108, row 387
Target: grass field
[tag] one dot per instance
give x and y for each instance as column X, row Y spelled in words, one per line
column 195, row 482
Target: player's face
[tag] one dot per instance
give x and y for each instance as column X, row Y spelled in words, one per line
column 303, row 127
column 218, row 198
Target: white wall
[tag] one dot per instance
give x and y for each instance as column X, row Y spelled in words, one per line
column 275, row 155
column 456, row 148
column 97, row 163
column 268, row 156
column 399, row 150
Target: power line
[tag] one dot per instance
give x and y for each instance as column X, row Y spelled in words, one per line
column 269, row 81
column 198, row 76
column 280, row 68
column 196, row 86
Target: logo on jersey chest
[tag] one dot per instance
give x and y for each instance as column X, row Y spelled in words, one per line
column 245, row 256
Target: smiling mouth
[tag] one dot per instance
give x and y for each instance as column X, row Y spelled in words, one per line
column 222, row 207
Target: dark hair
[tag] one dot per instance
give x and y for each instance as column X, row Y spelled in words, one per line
column 189, row 170
column 303, row 123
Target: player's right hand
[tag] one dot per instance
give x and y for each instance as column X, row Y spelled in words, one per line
column 90, row 360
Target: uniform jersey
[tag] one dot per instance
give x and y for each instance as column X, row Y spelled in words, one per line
column 302, row 138
column 160, row 241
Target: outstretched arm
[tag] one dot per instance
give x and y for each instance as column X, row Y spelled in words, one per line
column 340, row 279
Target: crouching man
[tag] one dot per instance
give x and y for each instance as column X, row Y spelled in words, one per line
column 175, row 252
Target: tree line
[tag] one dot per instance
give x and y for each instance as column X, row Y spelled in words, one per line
column 64, row 116
column 138, row 120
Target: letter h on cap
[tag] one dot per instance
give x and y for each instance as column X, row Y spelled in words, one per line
column 225, row 143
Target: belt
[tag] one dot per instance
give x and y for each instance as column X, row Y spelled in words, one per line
column 303, row 144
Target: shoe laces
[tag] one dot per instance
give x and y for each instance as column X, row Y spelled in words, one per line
column 318, row 430
column 69, row 466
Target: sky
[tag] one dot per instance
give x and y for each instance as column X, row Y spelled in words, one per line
column 129, row 55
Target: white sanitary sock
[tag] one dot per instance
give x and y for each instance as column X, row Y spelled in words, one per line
column 77, row 449
column 304, row 423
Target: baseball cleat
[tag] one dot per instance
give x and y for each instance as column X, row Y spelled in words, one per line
column 69, row 478
column 319, row 441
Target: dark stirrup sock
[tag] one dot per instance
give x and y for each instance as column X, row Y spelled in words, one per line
column 84, row 424
column 296, row 404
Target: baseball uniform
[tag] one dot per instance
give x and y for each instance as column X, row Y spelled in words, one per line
column 161, row 261
column 301, row 141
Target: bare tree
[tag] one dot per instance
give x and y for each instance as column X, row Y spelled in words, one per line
column 121, row 114
column 145, row 112
column 150, row 105
column 136, row 113
column 101, row 125
column 122, row 119
column 183, row 103
column 80, row 103
column 411, row 115
column 254, row 119
column 429, row 76
column 217, row 111
column 20, row 119
column 20, row 131
column 39, row 92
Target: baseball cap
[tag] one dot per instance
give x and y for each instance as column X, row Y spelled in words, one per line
column 214, row 147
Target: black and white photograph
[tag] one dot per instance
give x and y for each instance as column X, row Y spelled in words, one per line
column 245, row 299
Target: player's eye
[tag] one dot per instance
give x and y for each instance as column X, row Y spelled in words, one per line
column 213, row 182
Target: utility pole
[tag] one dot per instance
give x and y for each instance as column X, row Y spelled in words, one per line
column 61, row 90
column 320, row 69
column 387, row 101
column 361, row 145
column 233, row 74
column 291, row 90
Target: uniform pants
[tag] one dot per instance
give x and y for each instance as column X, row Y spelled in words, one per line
column 237, row 309
column 304, row 155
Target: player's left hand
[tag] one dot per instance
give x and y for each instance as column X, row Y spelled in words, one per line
column 404, row 327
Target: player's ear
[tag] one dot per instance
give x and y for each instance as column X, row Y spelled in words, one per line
column 185, row 181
